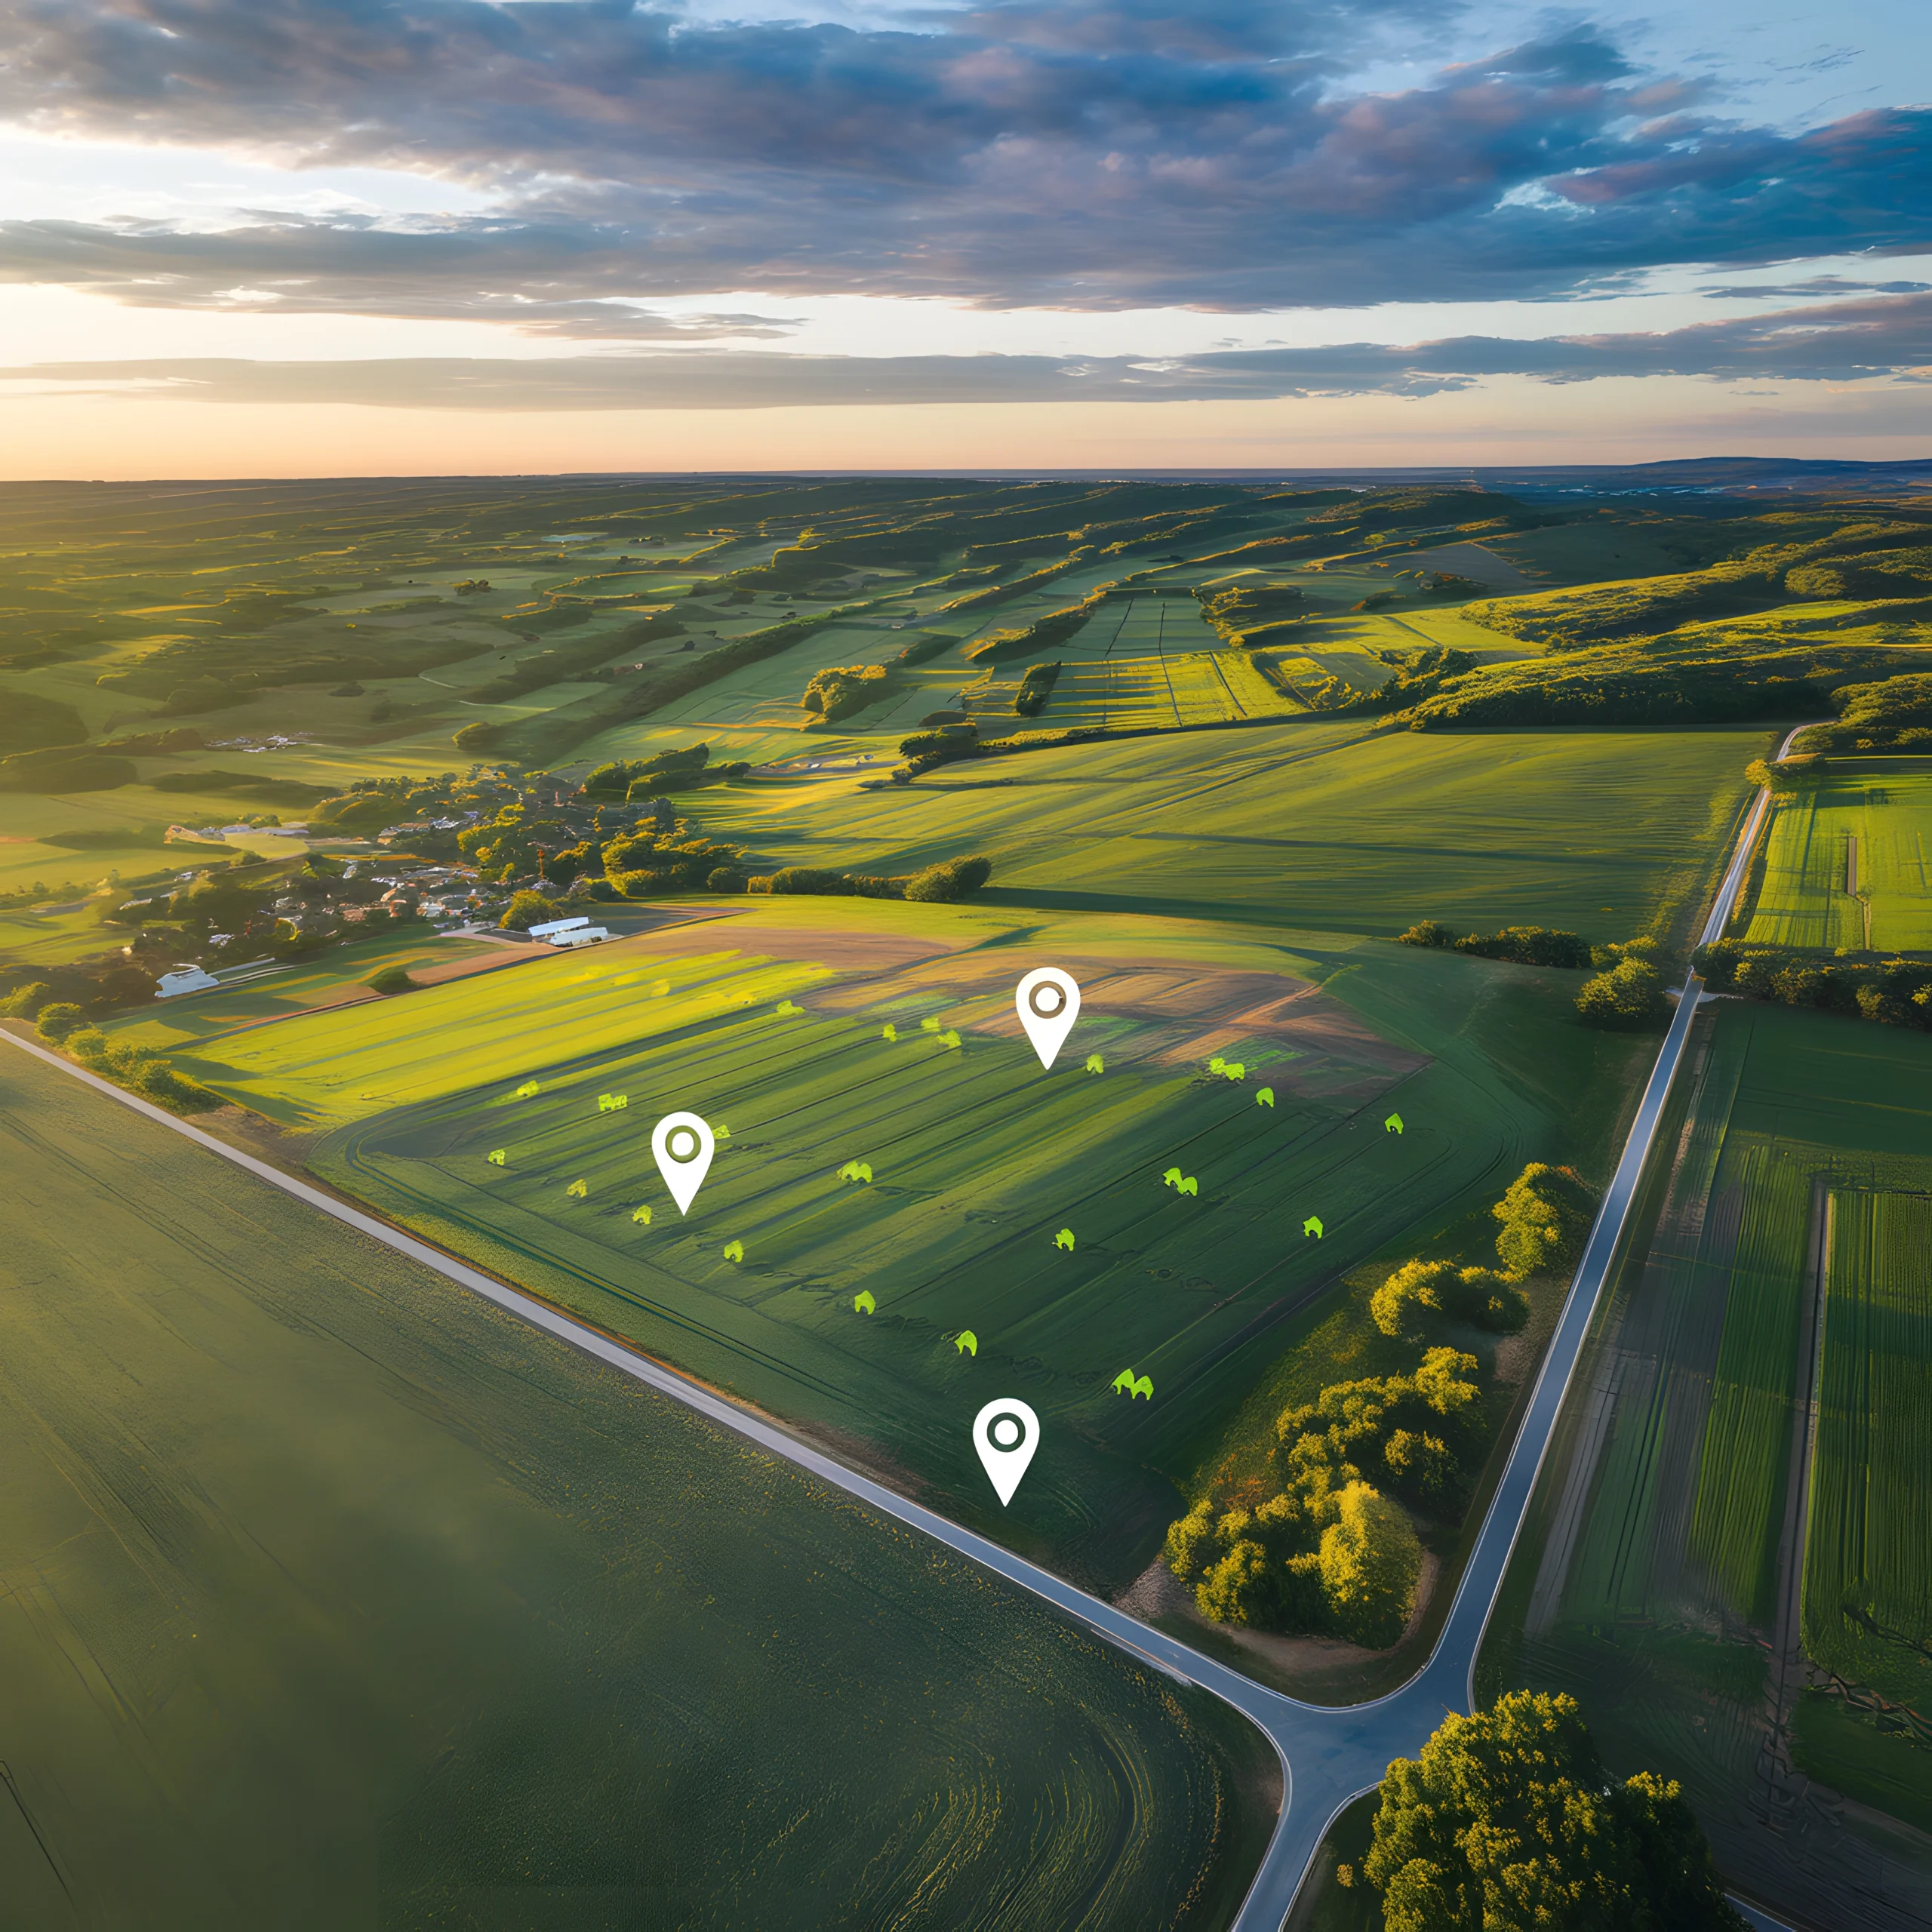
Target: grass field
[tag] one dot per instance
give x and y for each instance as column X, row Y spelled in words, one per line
column 1311, row 825
column 335, row 1597
column 1868, row 1551
column 1845, row 865
column 1650, row 1574
column 978, row 1159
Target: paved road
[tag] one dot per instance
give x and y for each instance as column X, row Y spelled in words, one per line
column 1328, row 1755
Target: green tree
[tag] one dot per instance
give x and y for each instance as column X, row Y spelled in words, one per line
column 1506, row 1822
column 1370, row 1563
column 1631, row 994
column 58, row 1020
column 394, row 978
column 1190, row 1542
column 526, row 909
column 1234, row 1590
column 1418, row 1288
column 1544, row 1215
column 950, row 879
column 26, row 1002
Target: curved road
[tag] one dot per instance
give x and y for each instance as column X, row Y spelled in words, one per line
column 1329, row 1755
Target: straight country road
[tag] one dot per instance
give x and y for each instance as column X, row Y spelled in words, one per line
column 1329, row 1755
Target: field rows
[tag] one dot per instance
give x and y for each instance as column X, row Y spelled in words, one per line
column 1868, row 1552
column 1850, row 831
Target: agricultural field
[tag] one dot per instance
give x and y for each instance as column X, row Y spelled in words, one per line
column 1329, row 825
column 1731, row 1603
column 1868, row 1547
column 335, row 1596
column 815, row 1034
column 1845, row 862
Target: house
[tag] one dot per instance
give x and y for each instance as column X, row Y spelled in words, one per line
column 554, row 927
column 581, row 936
column 184, row 980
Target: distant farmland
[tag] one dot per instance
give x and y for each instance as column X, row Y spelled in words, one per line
column 336, row 1597
column 1339, row 826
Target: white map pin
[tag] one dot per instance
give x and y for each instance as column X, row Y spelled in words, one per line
column 1049, row 1003
column 682, row 1146
column 1006, row 1433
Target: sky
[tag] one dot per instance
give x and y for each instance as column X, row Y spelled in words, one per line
column 379, row 237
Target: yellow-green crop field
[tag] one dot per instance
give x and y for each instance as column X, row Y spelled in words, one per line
column 1845, row 862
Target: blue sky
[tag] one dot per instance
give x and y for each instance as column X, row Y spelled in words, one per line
column 585, row 234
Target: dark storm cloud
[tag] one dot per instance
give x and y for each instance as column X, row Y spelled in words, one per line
column 1113, row 154
column 1849, row 341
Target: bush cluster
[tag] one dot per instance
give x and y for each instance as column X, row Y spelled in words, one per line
column 1895, row 992
column 1328, row 1551
column 645, row 777
column 839, row 691
column 140, row 1069
column 1630, row 990
column 1477, row 1295
column 950, row 879
column 1313, row 1545
column 1521, row 946
column 1545, row 1216
column 1893, row 715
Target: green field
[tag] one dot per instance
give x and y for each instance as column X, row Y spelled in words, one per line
column 1867, row 1550
column 1652, row 1578
column 1845, row 863
column 1315, row 825
column 978, row 1159
column 334, row 1596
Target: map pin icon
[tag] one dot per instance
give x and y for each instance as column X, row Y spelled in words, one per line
column 682, row 1146
column 1049, row 1003
column 1006, row 1432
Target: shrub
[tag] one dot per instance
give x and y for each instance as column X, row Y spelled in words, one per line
column 1427, row 932
column 1190, row 1542
column 1370, row 1561
column 390, row 980
column 726, row 878
column 950, row 879
column 25, row 1002
column 839, row 691
column 1423, row 1464
column 1544, row 1215
column 808, row 880
column 665, row 771
column 1528, row 946
column 1468, row 1294
column 526, row 909
column 58, row 1020
column 1631, row 994
column 1233, row 1591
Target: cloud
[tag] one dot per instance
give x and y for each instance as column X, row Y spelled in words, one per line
column 1083, row 154
column 1817, row 285
column 545, row 280
column 1854, row 342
